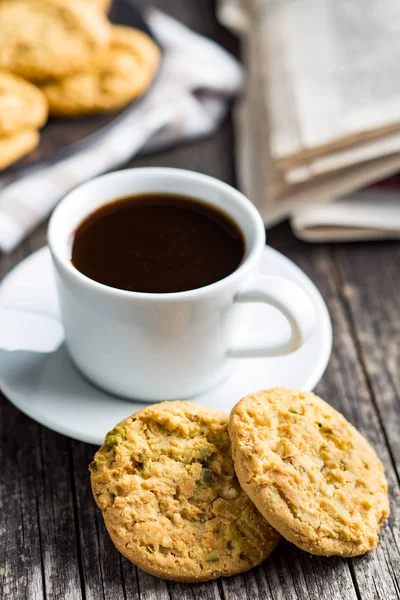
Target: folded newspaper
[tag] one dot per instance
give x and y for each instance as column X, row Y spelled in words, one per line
column 320, row 118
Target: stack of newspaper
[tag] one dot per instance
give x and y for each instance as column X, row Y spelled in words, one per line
column 320, row 117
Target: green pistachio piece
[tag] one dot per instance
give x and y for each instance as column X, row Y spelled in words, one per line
column 236, row 535
column 115, row 436
column 212, row 558
column 204, row 456
column 207, row 478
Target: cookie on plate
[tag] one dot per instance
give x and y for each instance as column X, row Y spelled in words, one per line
column 117, row 75
column 165, row 482
column 312, row 475
column 13, row 147
column 22, row 105
column 42, row 39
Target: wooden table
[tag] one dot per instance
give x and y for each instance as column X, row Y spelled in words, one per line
column 52, row 540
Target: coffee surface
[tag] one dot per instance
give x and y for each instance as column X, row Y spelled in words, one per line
column 157, row 243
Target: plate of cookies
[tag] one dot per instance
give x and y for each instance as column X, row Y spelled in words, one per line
column 70, row 72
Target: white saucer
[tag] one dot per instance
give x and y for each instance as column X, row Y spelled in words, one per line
column 49, row 389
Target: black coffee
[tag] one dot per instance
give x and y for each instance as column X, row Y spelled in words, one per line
column 157, row 243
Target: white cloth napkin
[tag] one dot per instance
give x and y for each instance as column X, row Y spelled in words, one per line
column 188, row 99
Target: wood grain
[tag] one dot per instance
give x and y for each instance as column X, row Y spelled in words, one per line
column 346, row 387
column 370, row 284
column 53, row 543
column 21, row 564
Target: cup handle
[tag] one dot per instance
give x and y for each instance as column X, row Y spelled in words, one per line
column 292, row 301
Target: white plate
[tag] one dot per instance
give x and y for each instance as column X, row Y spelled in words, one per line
column 49, row 389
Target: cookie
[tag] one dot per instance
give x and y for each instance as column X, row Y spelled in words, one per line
column 117, row 75
column 22, row 105
column 165, row 482
column 42, row 39
column 312, row 475
column 15, row 146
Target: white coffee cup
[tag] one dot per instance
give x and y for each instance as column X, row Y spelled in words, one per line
column 166, row 346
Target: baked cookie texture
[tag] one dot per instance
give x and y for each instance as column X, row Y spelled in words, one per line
column 312, row 475
column 165, row 482
column 104, row 5
column 22, row 105
column 42, row 39
column 15, row 146
column 117, row 75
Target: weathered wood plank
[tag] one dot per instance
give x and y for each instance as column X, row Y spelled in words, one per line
column 370, row 288
column 290, row 574
column 346, row 387
column 130, row 580
column 235, row 588
column 370, row 284
column 38, row 538
column 296, row 574
column 101, row 564
column 196, row 591
column 60, row 543
column 152, row 588
column 21, row 569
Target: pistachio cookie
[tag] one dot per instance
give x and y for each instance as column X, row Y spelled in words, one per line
column 312, row 475
column 165, row 482
column 15, row 146
column 42, row 39
column 22, row 105
column 117, row 75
